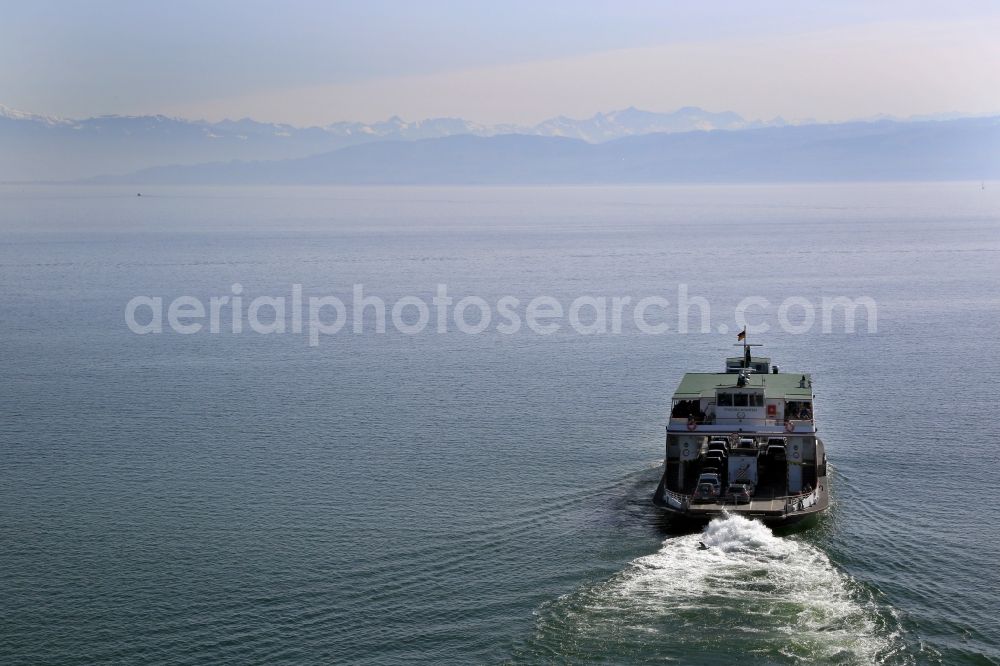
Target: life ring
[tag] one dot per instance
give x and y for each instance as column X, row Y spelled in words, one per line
column 692, row 424
column 789, row 426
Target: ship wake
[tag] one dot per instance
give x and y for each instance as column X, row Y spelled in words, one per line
column 733, row 590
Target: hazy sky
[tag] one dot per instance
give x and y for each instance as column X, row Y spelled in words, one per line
column 512, row 61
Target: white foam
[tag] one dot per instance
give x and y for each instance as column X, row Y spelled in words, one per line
column 778, row 595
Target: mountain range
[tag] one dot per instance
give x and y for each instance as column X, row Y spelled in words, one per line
column 965, row 149
column 628, row 146
column 37, row 147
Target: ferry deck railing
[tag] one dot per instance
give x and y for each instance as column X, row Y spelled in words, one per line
column 677, row 500
column 797, row 502
column 802, row 501
column 789, row 425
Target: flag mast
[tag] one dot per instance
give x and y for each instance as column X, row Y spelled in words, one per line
column 742, row 338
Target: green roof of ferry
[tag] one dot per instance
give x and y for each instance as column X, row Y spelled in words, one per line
column 781, row 385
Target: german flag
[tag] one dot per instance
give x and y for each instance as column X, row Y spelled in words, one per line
column 743, row 335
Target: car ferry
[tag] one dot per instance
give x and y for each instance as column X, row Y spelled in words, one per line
column 744, row 441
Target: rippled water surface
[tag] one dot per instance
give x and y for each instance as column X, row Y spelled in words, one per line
column 453, row 498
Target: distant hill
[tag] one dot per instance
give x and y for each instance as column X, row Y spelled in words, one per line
column 34, row 147
column 963, row 149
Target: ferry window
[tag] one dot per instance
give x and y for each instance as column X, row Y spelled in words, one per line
column 740, row 400
column 725, row 400
column 756, row 400
column 798, row 410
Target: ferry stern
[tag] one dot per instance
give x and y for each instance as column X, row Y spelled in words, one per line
column 744, row 441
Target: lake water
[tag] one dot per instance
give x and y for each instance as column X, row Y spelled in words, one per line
column 456, row 498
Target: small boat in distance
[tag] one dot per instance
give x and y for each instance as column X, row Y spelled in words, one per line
column 744, row 441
